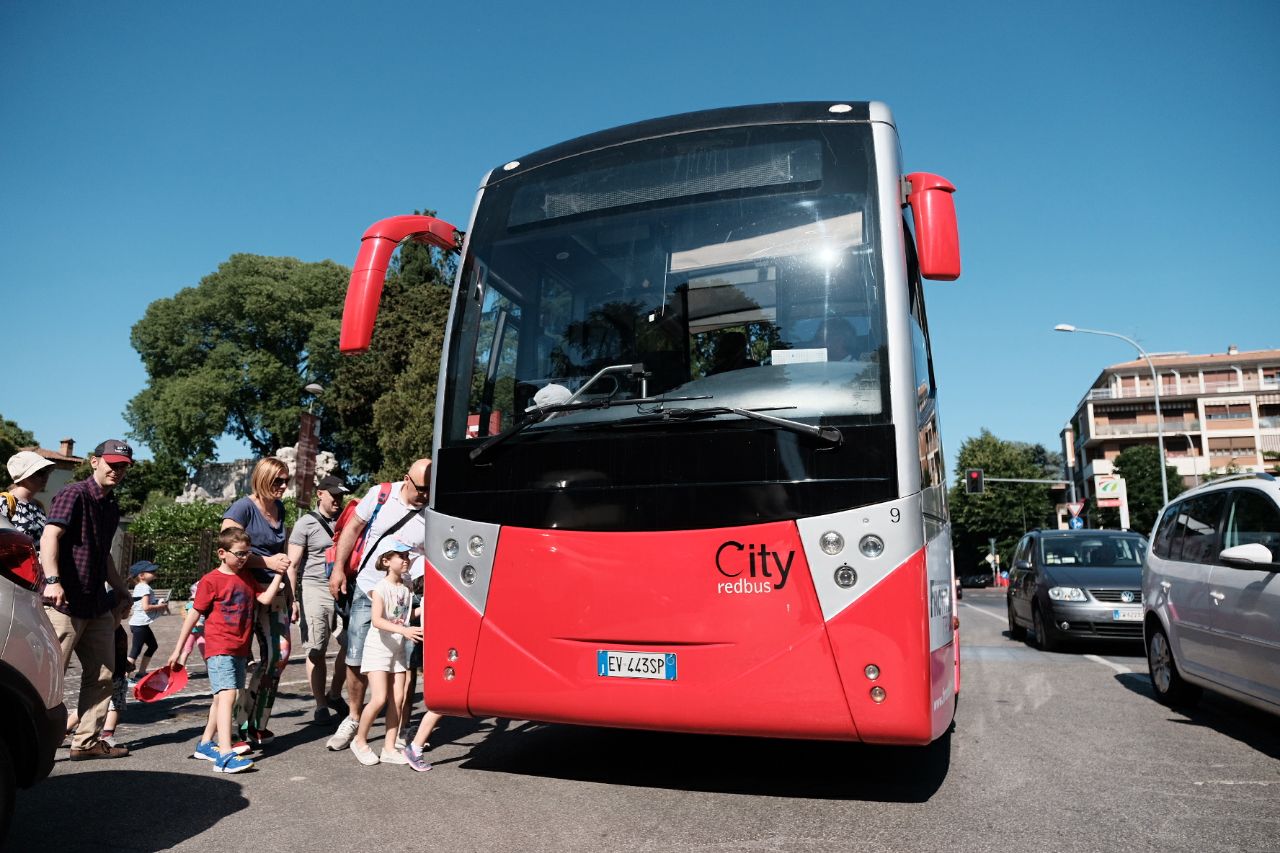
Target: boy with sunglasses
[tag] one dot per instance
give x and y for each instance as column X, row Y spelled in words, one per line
column 225, row 597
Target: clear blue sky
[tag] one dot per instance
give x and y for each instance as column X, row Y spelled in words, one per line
column 1116, row 163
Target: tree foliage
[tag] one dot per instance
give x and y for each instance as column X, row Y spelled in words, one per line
column 12, row 439
column 1004, row 510
column 231, row 356
column 1140, row 467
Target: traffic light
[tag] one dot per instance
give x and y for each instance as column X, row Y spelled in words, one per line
column 973, row 484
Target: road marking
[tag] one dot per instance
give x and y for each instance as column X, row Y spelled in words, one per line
column 984, row 612
column 1118, row 667
column 1234, row 782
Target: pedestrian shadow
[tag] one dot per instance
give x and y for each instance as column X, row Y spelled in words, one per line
column 102, row 805
column 1236, row 720
column 823, row 770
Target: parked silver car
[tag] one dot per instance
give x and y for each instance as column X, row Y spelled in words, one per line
column 1211, row 587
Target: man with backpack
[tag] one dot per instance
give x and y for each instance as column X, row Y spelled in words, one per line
column 310, row 538
column 388, row 510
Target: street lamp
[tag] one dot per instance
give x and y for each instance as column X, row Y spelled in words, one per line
column 1155, row 387
column 315, row 389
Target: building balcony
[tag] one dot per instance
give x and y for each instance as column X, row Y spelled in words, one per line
column 1190, row 388
column 1121, row 430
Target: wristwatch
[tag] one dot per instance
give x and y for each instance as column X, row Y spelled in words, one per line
column 48, row 579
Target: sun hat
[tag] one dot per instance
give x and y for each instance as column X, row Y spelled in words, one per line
column 25, row 463
column 159, row 683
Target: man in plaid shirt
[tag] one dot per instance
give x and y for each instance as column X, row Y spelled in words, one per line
column 75, row 554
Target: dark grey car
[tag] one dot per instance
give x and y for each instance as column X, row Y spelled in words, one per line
column 1076, row 585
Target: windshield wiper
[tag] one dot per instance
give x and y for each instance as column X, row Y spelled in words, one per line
column 543, row 412
column 828, row 434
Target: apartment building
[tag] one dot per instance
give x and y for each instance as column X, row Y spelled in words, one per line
column 1220, row 410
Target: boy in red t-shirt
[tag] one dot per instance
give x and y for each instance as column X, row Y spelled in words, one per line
column 225, row 597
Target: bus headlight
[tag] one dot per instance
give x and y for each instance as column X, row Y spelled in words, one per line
column 451, row 548
column 831, row 543
column 846, row 576
column 475, row 546
column 872, row 671
column 468, row 575
column 877, row 694
column 871, row 546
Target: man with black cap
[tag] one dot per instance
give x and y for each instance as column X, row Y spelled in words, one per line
column 75, row 554
column 307, row 543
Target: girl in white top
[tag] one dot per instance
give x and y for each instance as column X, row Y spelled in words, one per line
column 146, row 609
column 385, row 660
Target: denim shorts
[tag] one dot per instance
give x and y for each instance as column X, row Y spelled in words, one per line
column 358, row 625
column 226, row 672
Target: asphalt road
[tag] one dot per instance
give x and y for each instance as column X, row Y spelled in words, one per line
column 1054, row 752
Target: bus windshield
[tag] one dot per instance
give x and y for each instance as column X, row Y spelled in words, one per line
column 737, row 267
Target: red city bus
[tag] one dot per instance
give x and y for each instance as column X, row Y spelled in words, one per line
column 688, row 474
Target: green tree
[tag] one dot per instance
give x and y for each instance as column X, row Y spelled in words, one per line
column 12, row 439
column 1140, row 467
column 232, row 354
column 1004, row 510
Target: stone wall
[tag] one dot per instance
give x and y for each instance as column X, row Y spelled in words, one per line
column 223, row 482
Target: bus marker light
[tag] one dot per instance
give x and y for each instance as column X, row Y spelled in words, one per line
column 452, row 654
column 468, row 575
column 877, row 694
column 871, row 546
column 448, row 673
column 872, row 671
column 475, row 546
column 513, row 165
column 451, row 548
column 846, row 576
column 839, row 108
column 832, row 543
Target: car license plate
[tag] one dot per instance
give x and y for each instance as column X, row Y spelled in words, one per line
column 1134, row 615
column 636, row 665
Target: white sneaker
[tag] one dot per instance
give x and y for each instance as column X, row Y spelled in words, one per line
column 342, row 737
column 392, row 757
column 400, row 744
column 364, row 755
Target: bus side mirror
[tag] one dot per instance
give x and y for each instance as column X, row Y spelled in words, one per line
column 370, row 271
column 937, row 235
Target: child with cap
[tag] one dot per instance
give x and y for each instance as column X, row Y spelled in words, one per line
column 146, row 609
column 385, row 659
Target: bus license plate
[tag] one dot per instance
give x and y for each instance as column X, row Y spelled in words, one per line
column 636, row 665
column 1134, row 615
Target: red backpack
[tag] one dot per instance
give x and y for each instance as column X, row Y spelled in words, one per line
column 353, row 562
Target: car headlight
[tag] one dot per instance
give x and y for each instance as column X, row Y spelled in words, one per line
column 1067, row 593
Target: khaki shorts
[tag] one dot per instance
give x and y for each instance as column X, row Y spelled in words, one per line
column 319, row 618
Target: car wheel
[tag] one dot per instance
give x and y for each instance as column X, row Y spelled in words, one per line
column 1046, row 635
column 1169, row 686
column 1016, row 631
column 7, row 786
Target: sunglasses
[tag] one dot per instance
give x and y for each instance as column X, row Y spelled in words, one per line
column 280, row 481
column 240, row 555
column 424, row 489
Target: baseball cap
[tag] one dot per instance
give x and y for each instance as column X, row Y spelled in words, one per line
column 142, row 566
column 24, row 463
column 114, row 450
column 333, row 486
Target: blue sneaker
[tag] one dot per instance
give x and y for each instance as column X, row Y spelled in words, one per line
column 232, row 763
column 206, row 749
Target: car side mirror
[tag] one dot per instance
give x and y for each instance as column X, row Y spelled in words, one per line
column 1022, row 565
column 1250, row 556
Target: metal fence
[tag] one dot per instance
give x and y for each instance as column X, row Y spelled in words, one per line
column 183, row 560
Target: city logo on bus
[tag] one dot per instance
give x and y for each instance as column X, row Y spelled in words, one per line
column 752, row 568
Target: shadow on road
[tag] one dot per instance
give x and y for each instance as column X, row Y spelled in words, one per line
column 1236, row 720
column 715, row 763
column 96, row 811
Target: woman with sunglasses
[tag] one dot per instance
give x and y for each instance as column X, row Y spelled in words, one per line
column 261, row 514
